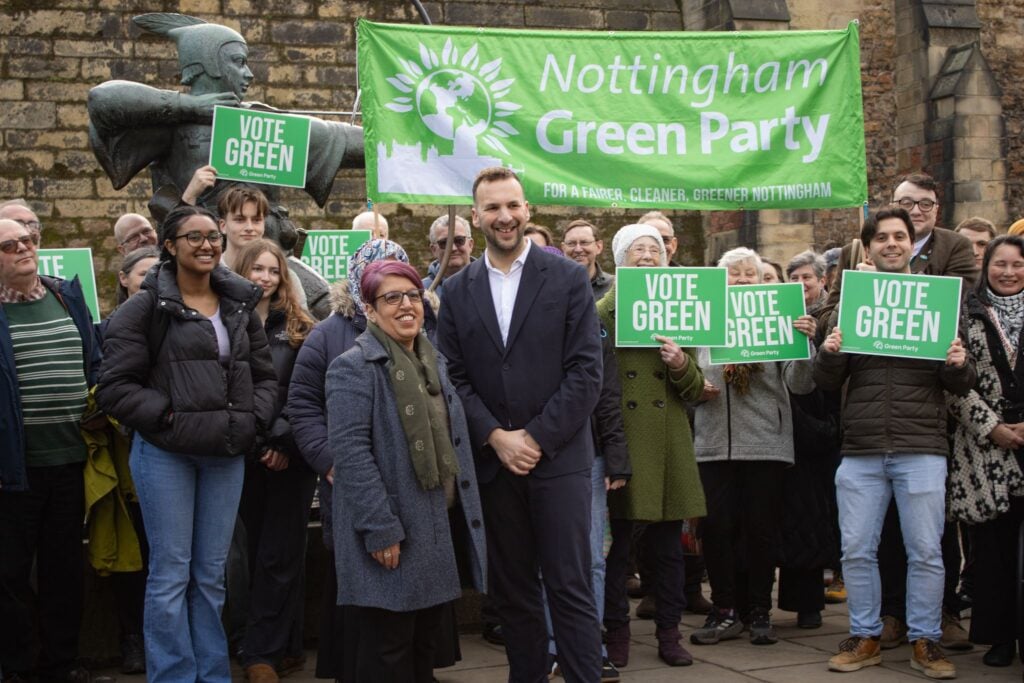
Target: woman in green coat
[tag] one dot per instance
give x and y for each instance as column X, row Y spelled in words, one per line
column 665, row 488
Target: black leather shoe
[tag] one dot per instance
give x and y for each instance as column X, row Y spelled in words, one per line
column 1000, row 654
column 492, row 634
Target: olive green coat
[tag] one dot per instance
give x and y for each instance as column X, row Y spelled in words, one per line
column 665, row 484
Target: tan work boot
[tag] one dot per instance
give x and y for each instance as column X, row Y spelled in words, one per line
column 929, row 660
column 855, row 653
column 954, row 637
column 894, row 633
column 836, row 591
column 261, row 673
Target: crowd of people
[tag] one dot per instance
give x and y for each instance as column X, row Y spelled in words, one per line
column 478, row 427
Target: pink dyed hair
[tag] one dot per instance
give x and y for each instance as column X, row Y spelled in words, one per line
column 374, row 274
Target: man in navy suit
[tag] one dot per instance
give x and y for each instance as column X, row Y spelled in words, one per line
column 520, row 332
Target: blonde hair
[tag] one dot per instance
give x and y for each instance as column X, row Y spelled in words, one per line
column 298, row 323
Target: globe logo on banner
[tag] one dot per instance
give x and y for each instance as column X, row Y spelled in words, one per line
column 462, row 103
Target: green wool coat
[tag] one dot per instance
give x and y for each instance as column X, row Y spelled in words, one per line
column 665, row 484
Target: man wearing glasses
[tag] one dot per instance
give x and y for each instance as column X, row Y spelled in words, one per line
column 17, row 210
column 582, row 243
column 132, row 232
column 48, row 360
column 462, row 250
column 937, row 251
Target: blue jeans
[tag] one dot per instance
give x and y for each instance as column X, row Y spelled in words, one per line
column 189, row 505
column 864, row 486
column 598, row 524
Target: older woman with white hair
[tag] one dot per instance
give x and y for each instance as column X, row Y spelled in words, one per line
column 744, row 442
column 665, row 488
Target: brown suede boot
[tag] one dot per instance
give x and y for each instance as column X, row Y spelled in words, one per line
column 617, row 642
column 669, row 649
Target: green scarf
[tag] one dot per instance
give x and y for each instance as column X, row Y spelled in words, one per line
column 414, row 380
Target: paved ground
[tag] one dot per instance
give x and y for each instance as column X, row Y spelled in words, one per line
column 800, row 656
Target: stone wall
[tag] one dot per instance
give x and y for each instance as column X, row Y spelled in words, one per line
column 303, row 55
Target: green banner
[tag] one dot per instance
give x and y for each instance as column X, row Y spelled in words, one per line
column 694, row 120
column 66, row 264
column 889, row 314
column 759, row 327
column 328, row 251
column 259, row 147
column 687, row 305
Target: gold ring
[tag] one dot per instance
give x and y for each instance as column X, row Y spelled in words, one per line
column 387, row 553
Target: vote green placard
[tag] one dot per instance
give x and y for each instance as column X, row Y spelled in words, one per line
column 66, row 264
column 259, row 147
column 646, row 119
column 687, row 305
column 328, row 251
column 759, row 327
column 890, row 314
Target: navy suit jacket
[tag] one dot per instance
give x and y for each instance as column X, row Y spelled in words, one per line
column 546, row 379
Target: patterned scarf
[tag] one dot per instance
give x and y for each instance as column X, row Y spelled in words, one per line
column 13, row 296
column 415, row 380
column 1007, row 312
column 374, row 250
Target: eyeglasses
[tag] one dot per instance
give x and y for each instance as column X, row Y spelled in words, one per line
column 196, row 238
column 641, row 250
column 907, row 204
column 583, row 244
column 460, row 241
column 139, row 236
column 31, row 225
column 395, row 298
column 28, row 241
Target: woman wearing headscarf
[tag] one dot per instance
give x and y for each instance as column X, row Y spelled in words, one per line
column 665, row 486
column 986, row 484
column 187, row 367
column 402, row 459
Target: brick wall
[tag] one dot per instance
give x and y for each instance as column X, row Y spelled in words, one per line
column 303, row 55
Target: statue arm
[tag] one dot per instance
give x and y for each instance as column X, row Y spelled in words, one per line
column 332, row 146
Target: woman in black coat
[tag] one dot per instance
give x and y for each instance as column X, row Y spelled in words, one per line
column 187, row 367
column 278, row 490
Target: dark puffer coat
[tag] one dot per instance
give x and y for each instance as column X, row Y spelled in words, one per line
column 217, row 410
column 283, row 354
column 893, row 405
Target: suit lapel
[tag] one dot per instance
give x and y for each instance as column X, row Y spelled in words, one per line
column 529, row 285
column 480, row 290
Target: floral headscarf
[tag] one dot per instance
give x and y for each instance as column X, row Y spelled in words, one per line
column 374, row 250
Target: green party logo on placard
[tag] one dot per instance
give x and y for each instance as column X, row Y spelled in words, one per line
column 259, row 147
column 328, row 251
column 695, row 120
column 66, row 264
column 687, row 305
column 893, row 314
column 759, row 328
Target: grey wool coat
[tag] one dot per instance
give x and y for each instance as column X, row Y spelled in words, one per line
column 377, row 500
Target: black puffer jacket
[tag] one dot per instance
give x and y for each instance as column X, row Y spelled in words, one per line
column 217, row 410
column 283, row 355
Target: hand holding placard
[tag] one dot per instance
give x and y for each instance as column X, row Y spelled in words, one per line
column 957, row 354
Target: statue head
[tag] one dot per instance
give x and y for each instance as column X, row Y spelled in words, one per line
column 213, row 58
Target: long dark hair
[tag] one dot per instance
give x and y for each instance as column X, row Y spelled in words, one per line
column 174, row 220
column 297, row 322
column 981, row 288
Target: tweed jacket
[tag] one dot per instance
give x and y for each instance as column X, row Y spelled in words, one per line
column 665, row 484
column 377, row 499
column 982, row 476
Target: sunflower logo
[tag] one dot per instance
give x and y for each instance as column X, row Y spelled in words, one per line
column 456, row 97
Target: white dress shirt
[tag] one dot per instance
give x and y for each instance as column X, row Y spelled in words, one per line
column 505, row 287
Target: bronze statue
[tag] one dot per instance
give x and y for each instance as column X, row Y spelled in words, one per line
column 132, row 126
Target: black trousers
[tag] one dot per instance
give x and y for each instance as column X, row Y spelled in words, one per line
column 43, row 524
column 740, row 532
column 662, row 555
column 801, row 590
column 994, row 615
column 394, row 647
column 892, row 567
column 130, row 587
column 275, row 512
column 543, row 524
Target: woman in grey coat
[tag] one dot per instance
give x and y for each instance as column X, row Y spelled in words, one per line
column 403, row 477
